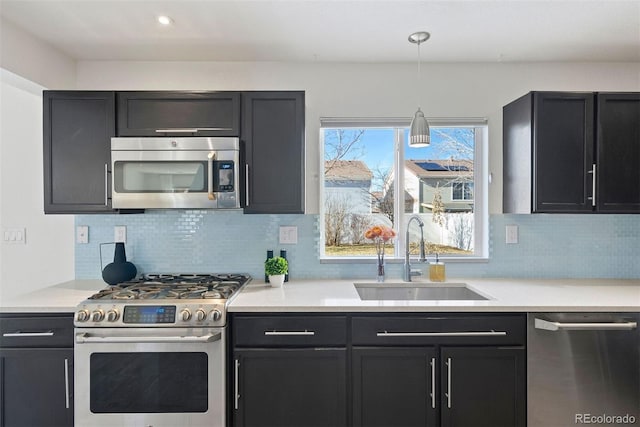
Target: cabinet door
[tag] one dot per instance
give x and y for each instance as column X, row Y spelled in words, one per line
column 618, row 142
column 36, row 388
column 77, row 131
column 273, row 133
column 483, row 386
column 290, row 388
column 394, row 387
column 175, row 113
column 563, row 152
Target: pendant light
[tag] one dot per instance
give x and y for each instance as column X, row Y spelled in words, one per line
column 419, row 134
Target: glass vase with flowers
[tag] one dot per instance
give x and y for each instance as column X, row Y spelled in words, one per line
column 380, row 235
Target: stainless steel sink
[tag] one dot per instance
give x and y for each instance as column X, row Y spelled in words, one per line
column 407, row 291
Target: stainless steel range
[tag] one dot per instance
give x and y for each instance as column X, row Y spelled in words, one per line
column 151, row 352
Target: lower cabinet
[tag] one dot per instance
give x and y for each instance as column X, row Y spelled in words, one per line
column 291, row 387
column 36, row 371
column 460, row 386
column 449, row 370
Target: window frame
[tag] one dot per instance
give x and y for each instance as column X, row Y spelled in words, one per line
column 399, row 126
column 463, row 184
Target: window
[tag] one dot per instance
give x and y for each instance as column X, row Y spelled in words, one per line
column 372, row 177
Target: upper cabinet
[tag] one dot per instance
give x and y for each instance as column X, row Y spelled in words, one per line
column 77, row 131
column 273, row 134
column 178, row 113
column 570, row 152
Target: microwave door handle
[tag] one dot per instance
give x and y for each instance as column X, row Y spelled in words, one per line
column 211, row 157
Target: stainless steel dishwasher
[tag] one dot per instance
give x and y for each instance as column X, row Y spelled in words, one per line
column 583, row 368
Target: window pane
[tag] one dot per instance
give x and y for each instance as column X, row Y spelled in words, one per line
column 358, row 188
column 439, row 185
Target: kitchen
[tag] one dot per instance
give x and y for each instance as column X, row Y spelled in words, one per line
column 551, row 246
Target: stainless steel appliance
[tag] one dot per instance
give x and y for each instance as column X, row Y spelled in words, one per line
column 152, row 352
column 189, row 173
column 583, row 368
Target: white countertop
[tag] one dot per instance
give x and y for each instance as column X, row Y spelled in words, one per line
column 61, row 298
column 515, row 295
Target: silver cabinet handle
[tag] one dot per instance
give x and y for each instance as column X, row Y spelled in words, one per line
column 106, row 184
column 587, row 326
column 187, row 130
column 84, row 337
column 237, row 383
column 593, row 185
column 28, row 334
column 246, row 184
column 433, row 382
column 442, row 334
column 290, row 333
column 448, row 393
column 210, row 158
column 66, row 383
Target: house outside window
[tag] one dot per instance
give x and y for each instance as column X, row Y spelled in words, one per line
column 372, row 176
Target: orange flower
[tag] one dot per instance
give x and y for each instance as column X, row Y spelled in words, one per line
column 369, row 234
column 376, row 230
column 387, row 234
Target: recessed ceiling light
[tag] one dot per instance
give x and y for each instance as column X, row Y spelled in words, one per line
column 165, row 20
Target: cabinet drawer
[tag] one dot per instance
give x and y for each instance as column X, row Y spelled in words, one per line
column 439, row 329
column 174, row 113
column 299, row 331
column 43, row 331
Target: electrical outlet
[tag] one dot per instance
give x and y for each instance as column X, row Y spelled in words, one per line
column 289, row 235
column 82, row 234
column 120, row 233
column 511, row 234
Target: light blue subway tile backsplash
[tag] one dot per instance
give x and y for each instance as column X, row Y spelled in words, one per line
column 200, row 241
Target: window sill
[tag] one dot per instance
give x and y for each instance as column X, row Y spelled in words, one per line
column 389, row 260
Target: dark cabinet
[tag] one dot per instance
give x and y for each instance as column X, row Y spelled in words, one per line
column 36, row 371
column 572, row 152
column 273, row 134
column 394, row 387
column 417, row 374
column 289, row 371
column 77, row 131
column 618, row 152
column 178, row 113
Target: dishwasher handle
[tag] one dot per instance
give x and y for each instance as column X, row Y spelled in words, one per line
column 586, row 326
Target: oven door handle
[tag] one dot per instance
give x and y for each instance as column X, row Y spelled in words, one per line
column 85, row 337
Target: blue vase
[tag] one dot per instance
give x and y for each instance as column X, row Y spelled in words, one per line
column 120, row 270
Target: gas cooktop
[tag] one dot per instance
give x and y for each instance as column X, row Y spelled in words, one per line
column 162, row 300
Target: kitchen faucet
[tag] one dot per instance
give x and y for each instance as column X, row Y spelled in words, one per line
column 407, row 273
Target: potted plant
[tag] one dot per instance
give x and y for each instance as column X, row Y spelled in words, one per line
column 276, row 268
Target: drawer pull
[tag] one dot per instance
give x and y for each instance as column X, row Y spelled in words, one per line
column 66, row 384
column 433, row 382
column 448, row 393
column 29, row 334
column 187, row 130
column 236, row 381
column 442, row 334
column 290, row 333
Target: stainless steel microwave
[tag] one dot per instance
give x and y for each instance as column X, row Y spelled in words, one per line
column 175, row 173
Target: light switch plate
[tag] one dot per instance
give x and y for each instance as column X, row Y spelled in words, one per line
column 288, row 235
column 15, row 235
column 82, row 234
column 120, row 233
column 511, row 234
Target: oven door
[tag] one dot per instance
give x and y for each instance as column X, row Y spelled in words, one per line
column 156, row 377
column 175, row 179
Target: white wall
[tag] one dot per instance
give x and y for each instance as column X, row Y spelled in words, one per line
column 35, row 60
column 374, row 90
column 47, row 257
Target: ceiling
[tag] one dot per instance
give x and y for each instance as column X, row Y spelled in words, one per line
column 369, row 31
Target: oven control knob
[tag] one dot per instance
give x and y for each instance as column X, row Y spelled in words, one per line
column 216, row 315
column 82, row 316
column 112, row 315
column 200, row 315
column 97, row 315
column 185, row 315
